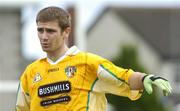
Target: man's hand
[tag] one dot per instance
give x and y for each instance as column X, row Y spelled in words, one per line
column 149, row 80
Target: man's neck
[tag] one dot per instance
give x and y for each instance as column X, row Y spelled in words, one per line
column 54, row 56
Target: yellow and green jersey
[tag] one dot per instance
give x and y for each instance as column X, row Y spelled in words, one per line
column 78, row 81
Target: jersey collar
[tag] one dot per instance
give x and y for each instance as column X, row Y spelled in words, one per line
column 71, row 51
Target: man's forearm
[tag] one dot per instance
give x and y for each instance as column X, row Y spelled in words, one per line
column 135, row 81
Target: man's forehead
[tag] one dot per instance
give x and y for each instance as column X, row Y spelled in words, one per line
column 48, row 24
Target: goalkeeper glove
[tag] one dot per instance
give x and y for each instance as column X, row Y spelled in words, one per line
column 149, row 80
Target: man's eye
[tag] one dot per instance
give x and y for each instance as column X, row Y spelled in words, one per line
column 50, row 30
column 41, row 30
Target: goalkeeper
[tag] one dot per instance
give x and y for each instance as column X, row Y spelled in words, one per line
column 69, row 79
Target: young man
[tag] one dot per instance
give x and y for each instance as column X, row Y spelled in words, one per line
column 72, row 80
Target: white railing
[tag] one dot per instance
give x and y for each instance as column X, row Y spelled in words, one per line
column 8, row 86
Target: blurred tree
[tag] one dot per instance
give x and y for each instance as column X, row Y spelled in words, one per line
column 128, row 58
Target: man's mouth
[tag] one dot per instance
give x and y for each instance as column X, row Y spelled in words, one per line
column 45, row 45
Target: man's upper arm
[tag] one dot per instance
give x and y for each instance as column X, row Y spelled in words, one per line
column 23, row 99
column 23, row 96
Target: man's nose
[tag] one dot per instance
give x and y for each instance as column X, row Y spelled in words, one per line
column 44, row 36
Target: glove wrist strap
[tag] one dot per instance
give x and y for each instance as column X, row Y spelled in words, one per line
column 144, row 77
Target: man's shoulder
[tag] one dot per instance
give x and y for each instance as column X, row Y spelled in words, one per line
column 92, row 57
column 31, row 70
column 77, row 52
column 37, row 63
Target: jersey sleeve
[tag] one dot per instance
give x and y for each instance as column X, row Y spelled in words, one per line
column 114, row 80
column 111, row 78
column 23, row 97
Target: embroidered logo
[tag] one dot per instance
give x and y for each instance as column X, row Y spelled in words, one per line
column 70, row 71
column 53, row 69
column 37, row 77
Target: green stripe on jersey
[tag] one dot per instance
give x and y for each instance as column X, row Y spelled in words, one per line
column 114, row 75
column 92, row 87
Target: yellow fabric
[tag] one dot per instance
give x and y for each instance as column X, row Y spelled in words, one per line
column 82, row 75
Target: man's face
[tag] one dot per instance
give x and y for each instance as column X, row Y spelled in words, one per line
column 50, row 35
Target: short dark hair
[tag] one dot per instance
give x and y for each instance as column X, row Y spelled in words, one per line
column 54, row 13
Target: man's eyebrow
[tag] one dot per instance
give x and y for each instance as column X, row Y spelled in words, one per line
column 39, row 28
column 50, row 30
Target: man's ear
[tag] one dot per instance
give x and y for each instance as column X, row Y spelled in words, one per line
column 66, row 32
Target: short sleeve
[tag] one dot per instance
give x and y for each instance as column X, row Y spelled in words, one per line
column 114, row 80
column 23, row 98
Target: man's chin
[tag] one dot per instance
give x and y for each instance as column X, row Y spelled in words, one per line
column 46, row 50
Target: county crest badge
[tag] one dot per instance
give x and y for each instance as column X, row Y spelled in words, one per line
column 70, row 71
column 37, row 77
